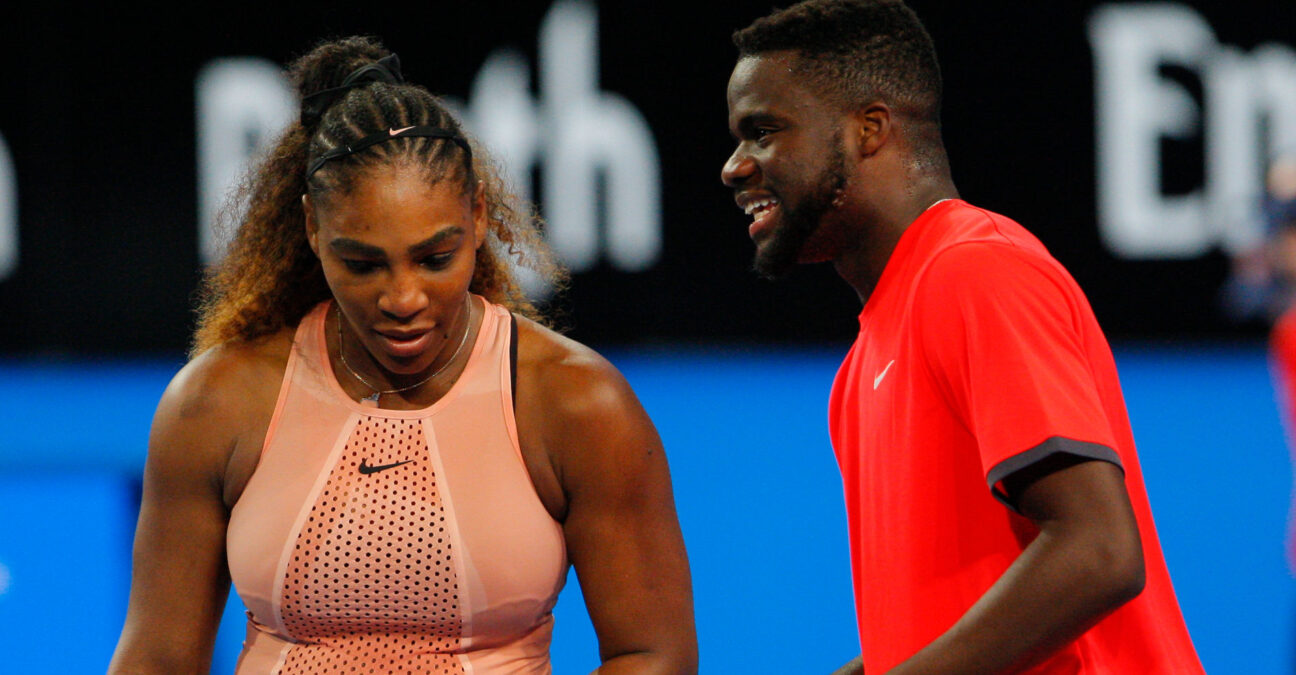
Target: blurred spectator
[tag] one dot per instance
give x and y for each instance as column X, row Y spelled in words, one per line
column 1262, row 284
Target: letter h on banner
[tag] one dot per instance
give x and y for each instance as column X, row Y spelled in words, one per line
column 575, row 133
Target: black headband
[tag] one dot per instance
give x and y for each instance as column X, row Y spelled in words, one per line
column 387, row 69
column 374, row 139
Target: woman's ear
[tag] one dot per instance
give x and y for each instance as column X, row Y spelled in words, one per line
column 312, row 225
column 479, row 212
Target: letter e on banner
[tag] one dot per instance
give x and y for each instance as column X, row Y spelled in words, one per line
column 1249, row 104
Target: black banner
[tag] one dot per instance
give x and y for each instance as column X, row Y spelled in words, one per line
column 1130, row 137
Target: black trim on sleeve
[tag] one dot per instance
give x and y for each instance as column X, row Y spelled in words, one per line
column 513, row 358
column 1054, row 454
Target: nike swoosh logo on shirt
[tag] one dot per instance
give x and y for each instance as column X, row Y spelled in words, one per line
column 878, row 380
column 366, row 469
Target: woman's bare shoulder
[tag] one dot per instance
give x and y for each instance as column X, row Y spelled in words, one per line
column 216, row 398
column 581, row 427
column 231, row 375
column 577, row 397
column 562, row 367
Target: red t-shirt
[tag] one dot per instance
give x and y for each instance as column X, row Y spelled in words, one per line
column 977, row 356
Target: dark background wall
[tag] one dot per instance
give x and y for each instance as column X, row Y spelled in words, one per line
column 99, row 118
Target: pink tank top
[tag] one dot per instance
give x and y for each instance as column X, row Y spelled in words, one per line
column 372, row 540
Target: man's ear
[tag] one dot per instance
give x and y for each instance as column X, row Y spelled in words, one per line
column 873, row 128
column 312, row 225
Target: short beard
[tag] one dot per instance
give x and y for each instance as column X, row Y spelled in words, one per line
column 801, row 220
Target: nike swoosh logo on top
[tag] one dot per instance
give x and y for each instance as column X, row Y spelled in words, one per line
column 878, row 380
column 393, row 132
column 366, row 469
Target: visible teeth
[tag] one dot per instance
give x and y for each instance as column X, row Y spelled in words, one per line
column 760, row 205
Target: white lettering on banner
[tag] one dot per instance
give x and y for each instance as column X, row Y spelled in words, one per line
column 8, row 213
column 243, row 104
column 1137, row 106
column 575, row 133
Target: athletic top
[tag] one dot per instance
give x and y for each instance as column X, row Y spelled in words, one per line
column 977, row 356
column 372, row 540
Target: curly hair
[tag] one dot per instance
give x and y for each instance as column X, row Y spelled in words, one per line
column 269, row 278
column 853, row 51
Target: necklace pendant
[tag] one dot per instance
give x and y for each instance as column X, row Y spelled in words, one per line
column 372, row 399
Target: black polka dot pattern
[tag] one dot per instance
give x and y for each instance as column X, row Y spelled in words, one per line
column 372, row 586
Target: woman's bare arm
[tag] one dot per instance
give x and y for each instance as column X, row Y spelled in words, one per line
column 618, row 512
column 179, row 578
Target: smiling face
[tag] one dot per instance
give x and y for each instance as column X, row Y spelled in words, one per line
column 789, row 167
column 398, row 254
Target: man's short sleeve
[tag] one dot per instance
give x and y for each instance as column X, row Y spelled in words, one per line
column 1002, row 332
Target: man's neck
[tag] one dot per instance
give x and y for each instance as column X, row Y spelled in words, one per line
column 880, row 232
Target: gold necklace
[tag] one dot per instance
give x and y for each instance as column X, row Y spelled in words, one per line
column 377, row 392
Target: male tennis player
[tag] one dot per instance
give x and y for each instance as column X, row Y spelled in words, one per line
column 998, row 519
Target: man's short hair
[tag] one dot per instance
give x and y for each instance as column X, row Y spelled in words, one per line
column 855, row 52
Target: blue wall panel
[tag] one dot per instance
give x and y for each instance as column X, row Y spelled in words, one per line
column 756, row 487
column 1219, row 474
column 64, row 563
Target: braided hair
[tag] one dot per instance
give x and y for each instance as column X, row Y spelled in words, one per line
column 269, row 279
